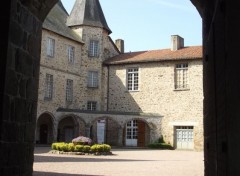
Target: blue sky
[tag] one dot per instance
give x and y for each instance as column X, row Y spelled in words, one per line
column 149, row 24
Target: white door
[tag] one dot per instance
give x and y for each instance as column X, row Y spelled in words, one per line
column 68, row 134
column 131, row 133
column 184, row 137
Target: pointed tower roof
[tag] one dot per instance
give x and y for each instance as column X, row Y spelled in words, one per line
column 89, row 13
column 56, row 22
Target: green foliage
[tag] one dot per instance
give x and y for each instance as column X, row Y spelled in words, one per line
column 71, row 147
column 54, row 146
column 100, row 148
column 79, row 148
column 106, row 147
column 86, row 148
column 161, row 140
column 160, row 146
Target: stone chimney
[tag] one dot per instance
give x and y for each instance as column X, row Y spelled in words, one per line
column 120, row 45
column 177, row 42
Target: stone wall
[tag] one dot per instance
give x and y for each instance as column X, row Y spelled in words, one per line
column 62, row 70
column 157, row 95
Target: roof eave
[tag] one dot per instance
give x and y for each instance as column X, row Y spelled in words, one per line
column 150, row 61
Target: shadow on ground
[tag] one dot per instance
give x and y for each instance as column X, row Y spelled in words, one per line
column 81, row 158
column 35, row 173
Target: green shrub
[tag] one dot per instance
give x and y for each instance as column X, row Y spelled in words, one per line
column 106, row 148
column 71, row 147
column 86, row 148
column 54, row 146
column 64, row 147
column 160, row 146
column 60, row 146
column 100, row 148
column 93, row 148
column 79, row 148
column 161, row 140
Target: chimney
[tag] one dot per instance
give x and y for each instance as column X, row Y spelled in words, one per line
column 120, row 45
column 177, row 42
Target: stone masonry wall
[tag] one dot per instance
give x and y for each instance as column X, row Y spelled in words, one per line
column 61, row 70
column 106, row 50
column 157, row 95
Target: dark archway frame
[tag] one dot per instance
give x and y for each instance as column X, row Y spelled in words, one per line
column 19, row 67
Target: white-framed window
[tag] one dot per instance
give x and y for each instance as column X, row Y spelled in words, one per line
column 132, row 129
column 50, row 47
column 93, row 48
column 71, row 54
column 92, row 105
column 133, row 79
column 49, row 87
column 181, row 76
column 93, row 79
column 69, row 90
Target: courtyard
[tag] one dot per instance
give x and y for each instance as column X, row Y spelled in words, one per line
column 123, row 162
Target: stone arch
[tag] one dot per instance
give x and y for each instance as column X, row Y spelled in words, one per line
column 69, row 126
column 111, row 130
column 216, row 15
column 136, row 132
column 45, row 128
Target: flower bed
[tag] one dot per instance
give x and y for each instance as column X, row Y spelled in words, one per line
column 76, row 149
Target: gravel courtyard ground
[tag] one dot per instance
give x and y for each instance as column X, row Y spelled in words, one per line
column 123, row 162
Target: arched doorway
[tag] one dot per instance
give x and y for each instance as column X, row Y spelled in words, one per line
column 136, row 133
column 44, row 132
column 67, row 129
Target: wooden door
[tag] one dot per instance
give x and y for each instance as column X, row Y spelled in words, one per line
column 141, row 134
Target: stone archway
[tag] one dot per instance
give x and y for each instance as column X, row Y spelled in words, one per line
column 136, row 133
column 20, row 46
column 44, row 129
column 67, row 129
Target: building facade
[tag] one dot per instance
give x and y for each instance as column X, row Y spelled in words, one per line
column 88, row 86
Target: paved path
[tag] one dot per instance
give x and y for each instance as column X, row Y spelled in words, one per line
column 123, row 162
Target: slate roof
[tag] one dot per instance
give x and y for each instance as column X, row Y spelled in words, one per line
column 186, row 53
column 89, row 13
column 56, row 22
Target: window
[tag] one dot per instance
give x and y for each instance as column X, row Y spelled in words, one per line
column 93, row 48
column 132, row 129
column 49, row 86
column 92, row 105
column 132, row 79
column 69, row 90
column 71, row 51
column 181, row 76
column 93, row 79
column 50, row 47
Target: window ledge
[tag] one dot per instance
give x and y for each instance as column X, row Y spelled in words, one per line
column 49, row 57
column 132, row 91
column 47, row 99
column 89, row 87
column 182, row 89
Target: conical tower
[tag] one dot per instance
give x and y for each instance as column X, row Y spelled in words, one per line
column 87, row 13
